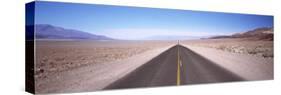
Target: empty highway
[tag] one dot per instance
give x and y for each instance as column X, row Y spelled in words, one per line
column 176, row 66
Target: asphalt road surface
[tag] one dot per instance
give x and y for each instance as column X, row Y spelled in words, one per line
column 176, row 66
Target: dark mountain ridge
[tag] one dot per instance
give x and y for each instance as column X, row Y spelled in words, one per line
column 264, row 33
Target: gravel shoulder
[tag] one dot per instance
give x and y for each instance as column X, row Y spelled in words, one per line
column 246, row 66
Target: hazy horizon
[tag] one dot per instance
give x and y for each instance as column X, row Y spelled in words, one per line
column 135, row 23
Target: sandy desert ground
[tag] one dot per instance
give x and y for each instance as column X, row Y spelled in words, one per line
column 57, row 56
column 260, row 48
column 53, row 57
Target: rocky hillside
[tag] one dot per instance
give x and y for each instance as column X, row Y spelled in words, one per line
column 265, row 33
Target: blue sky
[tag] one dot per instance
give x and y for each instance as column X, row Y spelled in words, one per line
column 140, row 23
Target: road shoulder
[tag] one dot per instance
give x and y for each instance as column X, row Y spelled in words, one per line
column 246, row 66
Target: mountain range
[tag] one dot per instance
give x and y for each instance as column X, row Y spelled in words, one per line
column 46, row 31
column 171, row 37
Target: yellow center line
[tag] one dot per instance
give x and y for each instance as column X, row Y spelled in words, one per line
column 178, row 69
